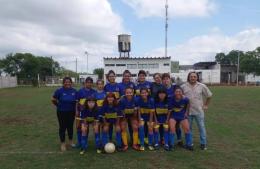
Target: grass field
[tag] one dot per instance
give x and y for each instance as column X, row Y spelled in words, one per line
column 29, row 135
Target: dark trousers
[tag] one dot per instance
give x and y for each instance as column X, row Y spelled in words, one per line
column 66, row 121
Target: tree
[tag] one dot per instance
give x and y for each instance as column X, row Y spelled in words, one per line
column 99, row 72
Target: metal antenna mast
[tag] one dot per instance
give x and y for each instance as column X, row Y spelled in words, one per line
column 166, row 28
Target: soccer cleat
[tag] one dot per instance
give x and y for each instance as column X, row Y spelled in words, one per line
column 166, row 147
column 63, row 147
column 99, row 151
column 156, row 146
column 82, row 152
column 135, row 147
column 203, row 147
column 141, row 148
column 151, row 148
column 124, row 148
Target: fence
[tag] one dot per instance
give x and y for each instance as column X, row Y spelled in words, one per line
column 8, row 81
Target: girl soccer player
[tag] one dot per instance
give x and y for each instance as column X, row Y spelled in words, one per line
column 142, row 83
column 89, row 116
column 146, row 110
column 178, row 112
column 111, row 116
column 128, row 107
column 161, row 111
column 100, row 93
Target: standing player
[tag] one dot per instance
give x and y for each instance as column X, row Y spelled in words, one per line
column 128, row 107
column 161, row 111
column 100, row 93
column 83, row 93
column 111, row 116
column 156, row 85
column 178, row 112
column 146, row 110
column 90, row 116
column 142, row 83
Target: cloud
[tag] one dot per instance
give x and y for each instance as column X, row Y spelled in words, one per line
column 205, row 47
column 177, row 8
column 62, row 28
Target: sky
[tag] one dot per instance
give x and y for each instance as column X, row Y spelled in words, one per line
column 66, row 30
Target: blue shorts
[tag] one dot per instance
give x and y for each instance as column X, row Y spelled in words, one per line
column 178, row 118
column 161, row 119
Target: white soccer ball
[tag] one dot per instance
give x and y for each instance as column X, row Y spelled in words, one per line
column 110, row 148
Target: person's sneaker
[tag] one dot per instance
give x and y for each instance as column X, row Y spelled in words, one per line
column 119, row 148
column 124, row 148
column 63, row 147
column 180, row 143
column 82, row 152
column 203, row 147
column 71, row 144
column 99, row 151
column 141, row 148
column 150, row 147
column 135, row 147
column 189, row 148
column 156, row 146
column 166, row 147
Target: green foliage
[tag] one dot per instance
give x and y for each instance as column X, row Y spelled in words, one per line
column 99, row 72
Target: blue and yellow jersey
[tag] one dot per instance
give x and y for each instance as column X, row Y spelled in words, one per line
column 110, row 113
column 123, row 86
column 100, row 97
column 113, row 88
column 178, row 108
column 161, row 111
column 145, row 108
column 89, row 116
column 139, row 86
column 66, row 99
column 84, row 93
column 170, row 91
column 127, row 107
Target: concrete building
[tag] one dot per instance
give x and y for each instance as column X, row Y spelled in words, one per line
column 150, row 64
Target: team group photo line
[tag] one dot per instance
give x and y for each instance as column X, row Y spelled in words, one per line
column 141, row 115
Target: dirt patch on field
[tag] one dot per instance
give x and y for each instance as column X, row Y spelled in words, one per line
column 14, row 121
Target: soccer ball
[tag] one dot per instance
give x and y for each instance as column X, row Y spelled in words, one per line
column 110, row 148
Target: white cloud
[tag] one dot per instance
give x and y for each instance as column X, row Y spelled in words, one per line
column 60, row 28
column 177, row 8
column 205, row 47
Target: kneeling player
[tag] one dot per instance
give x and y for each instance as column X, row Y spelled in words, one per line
column 89, row 116
column 178, row 112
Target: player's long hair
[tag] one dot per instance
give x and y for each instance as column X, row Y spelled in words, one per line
column 86, row 103
column 126, row 72
column 157, row 99
column 115, row 102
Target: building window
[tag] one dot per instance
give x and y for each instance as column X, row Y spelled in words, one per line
column 109, row 65
column 166, row 64
column 131, row 66
column 120, row 65
column 153, row 66
column 142, row 66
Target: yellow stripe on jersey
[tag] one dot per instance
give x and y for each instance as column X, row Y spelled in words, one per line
column 177, row 109
column 82, row 101
column 137, row 92
column 100, row 103
column 146, row 110
column 129, row 111
column 111, row 115
column 89, row 119
column 161, row 111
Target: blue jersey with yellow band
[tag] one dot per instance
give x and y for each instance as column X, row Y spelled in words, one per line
column 100, row 97
column 178, row 108
column 84, row 93
column 89, row 116
column 110, row 113
column 112, row 88
column 170, row 90
column 145, row 107
column 127, row 107
column 66, row 98
column 123, row 86
column 139, row 86
column 161, row 111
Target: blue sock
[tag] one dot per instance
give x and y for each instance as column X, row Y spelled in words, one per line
column 118, row 139
column 79, row 137
column 171, row 138
column 141, row 135
column 150, row 139
column 104, row 138
column 110, row 132
column 84, row 142
column 97, row 140
column 166, row 137
column 156, row 137
column 188, row 139
column 178, row 133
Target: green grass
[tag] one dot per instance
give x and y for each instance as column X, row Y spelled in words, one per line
column 29, row 135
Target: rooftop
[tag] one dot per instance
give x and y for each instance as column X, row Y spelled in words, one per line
column 134, row 58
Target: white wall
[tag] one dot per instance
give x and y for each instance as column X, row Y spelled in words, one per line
column 251, row 78
column 8, row 81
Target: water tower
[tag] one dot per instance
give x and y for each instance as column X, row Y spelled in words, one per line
column 124, row 45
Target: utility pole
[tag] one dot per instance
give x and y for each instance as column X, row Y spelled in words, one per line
column 76, row 70
column 166, row 27
column 238, row 58
column 87, row 60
